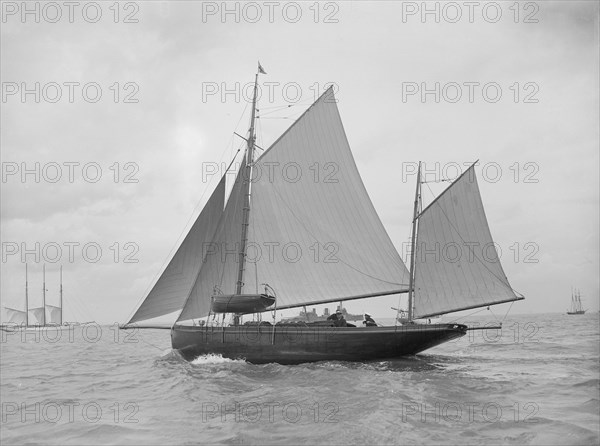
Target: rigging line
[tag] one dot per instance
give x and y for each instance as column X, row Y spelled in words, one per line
column 276, row 106
column 278, row 117
column 472, row 251
column 507, row 311
column 494, row 314
column 281, row 108
column 152, row 345
column 318, row 241
column 305, row 102
column 470, row 314
column 399, row 295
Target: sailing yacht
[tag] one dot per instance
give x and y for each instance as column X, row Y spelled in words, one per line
column 255, row 253
column 46, row 315
column 576, row 305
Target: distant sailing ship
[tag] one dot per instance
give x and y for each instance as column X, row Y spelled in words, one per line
column 576, row 305
column 207, row 278
column 44, row 316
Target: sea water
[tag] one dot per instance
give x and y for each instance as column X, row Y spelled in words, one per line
column 536, row 381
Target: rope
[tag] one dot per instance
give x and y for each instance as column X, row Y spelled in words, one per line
column 151, row 345
column 470, row 314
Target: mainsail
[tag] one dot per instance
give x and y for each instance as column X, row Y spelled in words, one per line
column 174, row 285
column 314, row 234
column 14, row 316
column 457, row 266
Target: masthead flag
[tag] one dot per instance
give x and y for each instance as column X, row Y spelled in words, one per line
column 260, row 69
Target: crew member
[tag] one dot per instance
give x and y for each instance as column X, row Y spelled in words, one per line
column 369, row 322
column 338, row 319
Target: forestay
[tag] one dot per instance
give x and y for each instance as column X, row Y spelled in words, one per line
column 456, row 265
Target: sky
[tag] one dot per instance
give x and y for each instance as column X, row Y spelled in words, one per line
column 113, row 113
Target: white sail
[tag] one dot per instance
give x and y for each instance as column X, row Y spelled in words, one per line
column 220, row 265
column 36, row 315
column 174, row 285
column 314, row 234
column 53, row 315
column 14, row 316
column 456, row 263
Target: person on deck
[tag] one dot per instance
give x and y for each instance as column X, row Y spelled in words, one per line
column 369, row 322
column 338, row 319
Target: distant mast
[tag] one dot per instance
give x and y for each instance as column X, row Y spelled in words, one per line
column 26, row 299
column 44, row 297
column 61, row 297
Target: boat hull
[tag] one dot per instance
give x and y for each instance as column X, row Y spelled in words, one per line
column 290, row 344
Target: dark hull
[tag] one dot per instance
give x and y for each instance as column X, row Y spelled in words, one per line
column 576, row 312
column 299, row 344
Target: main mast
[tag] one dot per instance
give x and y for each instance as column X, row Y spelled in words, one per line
column 247, row 190
column 411, row 279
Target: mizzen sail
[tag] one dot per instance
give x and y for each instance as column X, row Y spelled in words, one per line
column 457, row 266
column 174, row 285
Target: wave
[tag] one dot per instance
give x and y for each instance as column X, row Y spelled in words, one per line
column 211, row 359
